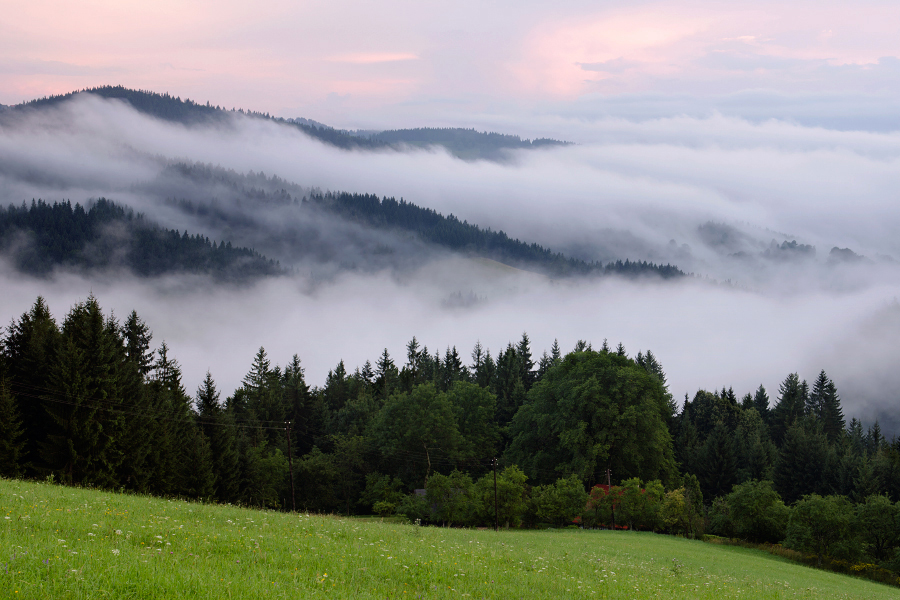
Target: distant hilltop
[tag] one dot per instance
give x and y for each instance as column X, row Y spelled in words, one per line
column 463, row 143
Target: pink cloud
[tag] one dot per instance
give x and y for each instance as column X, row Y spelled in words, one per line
column 366, row 58
column 278, row 53
column 554, row 58
column 636, row 49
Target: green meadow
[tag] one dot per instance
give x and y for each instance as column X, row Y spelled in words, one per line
column 60, row 542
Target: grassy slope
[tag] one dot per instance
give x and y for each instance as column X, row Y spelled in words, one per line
column 61, row 542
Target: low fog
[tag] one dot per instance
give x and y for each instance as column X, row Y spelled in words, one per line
column 718, row 196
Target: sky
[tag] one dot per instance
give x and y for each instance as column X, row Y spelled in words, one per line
column 404, row 63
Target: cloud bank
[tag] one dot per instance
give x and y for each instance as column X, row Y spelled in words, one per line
column 626, row 190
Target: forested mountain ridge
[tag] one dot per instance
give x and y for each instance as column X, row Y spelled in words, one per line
column 463, row 143
column 41, row 237
column 161, row 106
column 450, row 232
column 329, row 231
column 296, row 225
column 241, row 199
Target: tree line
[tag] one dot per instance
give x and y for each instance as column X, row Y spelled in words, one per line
column 91, row 402
column 42, row 237
column 465, row 143
column 450, row 232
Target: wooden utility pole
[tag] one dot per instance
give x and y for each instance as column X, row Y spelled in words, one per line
column 496, row 508
column 291, row 467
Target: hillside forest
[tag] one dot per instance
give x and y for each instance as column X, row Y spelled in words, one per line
column 463, row 143
column 40, row 237
column 591, row 436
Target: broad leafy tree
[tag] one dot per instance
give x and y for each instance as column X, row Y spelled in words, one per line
column 595, row 410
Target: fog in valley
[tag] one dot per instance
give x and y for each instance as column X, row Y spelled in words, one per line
column 752, row 208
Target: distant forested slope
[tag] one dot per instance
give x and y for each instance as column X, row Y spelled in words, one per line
column 43, row 236
column 464, row 143
column 239, row 206
column 251, row 193
column 161, row 106
column 450, row 232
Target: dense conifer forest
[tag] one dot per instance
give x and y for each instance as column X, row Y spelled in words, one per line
column 41, row 237
column 90, row 401
column 454, row 234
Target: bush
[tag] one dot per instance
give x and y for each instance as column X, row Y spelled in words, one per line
column 415, row 508
column 878, row 521
column 822, row 525
column 680, row 515
column 384, row 509
column 512, row 498
column 560, row 503
column 719, row 521
column 450, row 497
column 757, row 513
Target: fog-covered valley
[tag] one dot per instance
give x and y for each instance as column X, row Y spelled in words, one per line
column 753, row 210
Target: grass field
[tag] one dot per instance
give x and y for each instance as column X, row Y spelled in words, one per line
column 58, row 542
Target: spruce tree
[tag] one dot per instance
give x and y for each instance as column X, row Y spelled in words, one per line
column 815, row 405
column 477, row 359
column 489, row 377
column 544, row 365
column 761, row 403
column 12, row 442
column 199, row 479
column 411, row 374
column 687, row 445
column 263, row 400
column 874, row 438
column 482, row 366
column 225, row 449
column 304, row 409
column 825, row 406
column 755, row 453
column 525, row 362
column 137, row 343
column 509, row 387
column 386, row 375
column 30, row 347
column 555, row 354
column 806, row 464
column 218, row 429
column 453, row 370
column 85, row 402
column 791, row 406
column 649, row 362
column 717, row 463
column 335, row 390
column 136, row 471
column 174, row 437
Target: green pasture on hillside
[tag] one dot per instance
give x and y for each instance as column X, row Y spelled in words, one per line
column 59, row 542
